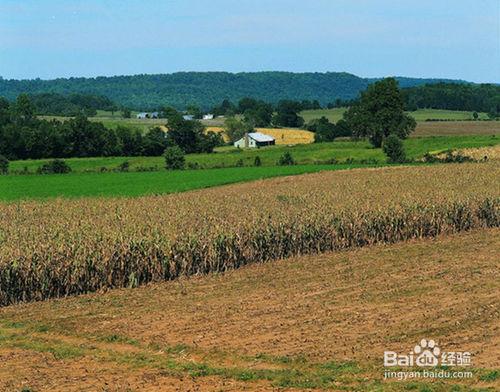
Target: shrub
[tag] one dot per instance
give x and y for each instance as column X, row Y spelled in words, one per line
column 286, row 159
column 257, row 161
column 174, row 158
column 458, row 157
column 239, row 163
column 393, row 148
column 4, row 165
column 56, row 166
column 429, row 158
column 124, row 166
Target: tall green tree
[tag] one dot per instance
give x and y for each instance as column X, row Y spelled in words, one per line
column 4, row 165
column 235, row 129
column 155, row 142
column 324, row 130
column 190, row 136
column 380, row 113
column 287, row 114
column 126, row 113
column 24, row 110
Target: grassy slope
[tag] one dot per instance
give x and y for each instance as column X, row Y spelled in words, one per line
column 333, row 115
column 140, row 183
column 303, row 154
column 319, row 321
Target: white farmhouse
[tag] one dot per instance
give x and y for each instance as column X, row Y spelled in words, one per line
column 255, row 139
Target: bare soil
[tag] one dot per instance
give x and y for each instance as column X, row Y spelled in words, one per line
column 300, row 314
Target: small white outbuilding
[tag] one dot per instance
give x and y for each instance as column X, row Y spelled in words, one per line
column 255, row 139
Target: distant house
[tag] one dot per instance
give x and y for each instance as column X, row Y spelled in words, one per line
column 144, row 115
column 188, row 117
column 255, row 139
column 208, row 116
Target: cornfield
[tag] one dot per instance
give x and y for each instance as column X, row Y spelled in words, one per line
column 283, row 136
column 63, row 247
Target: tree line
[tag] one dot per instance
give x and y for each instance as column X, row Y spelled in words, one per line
column 257, row 113
column 24, row 136
column 468, row 97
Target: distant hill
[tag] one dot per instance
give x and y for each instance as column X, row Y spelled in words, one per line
column 205, row 89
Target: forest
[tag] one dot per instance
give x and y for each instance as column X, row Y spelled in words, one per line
column 205, row 89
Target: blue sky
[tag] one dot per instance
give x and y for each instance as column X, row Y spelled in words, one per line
column 422, row 38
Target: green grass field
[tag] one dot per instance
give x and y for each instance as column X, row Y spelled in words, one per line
column 333, row 115
column 420, row 115
column 140, row 183
column 435, row 114
column 303, row 154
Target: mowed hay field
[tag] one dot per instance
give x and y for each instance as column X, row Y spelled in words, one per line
column 450, row 128
column 63, row 247
column 320, row 321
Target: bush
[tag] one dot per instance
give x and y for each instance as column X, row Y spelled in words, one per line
column 56, row 166
column 4, row 165
column 458, row 157
column 174, row 158
column 429, row 158
column 257, row 161
column 286, row 160
column 124, row 166
column 393, row 148
column 240, row 163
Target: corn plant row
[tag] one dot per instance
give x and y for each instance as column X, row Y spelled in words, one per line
column 66, row 247
column 40, row 277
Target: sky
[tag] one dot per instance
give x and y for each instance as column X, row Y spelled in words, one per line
column 47, row 39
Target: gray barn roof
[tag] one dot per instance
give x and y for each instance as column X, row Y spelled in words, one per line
column 260, row 137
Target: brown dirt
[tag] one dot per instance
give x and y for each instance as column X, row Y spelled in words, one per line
column 41, row 372
column 347, row 306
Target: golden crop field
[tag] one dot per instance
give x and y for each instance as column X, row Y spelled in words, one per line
column 492, row 153
column 62, row 247
column 283, row 136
